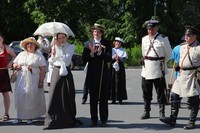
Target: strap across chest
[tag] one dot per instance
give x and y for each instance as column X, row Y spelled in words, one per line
column 151, row 46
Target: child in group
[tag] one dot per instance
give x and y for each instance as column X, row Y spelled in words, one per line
column 118, row 87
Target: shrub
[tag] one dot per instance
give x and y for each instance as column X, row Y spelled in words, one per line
column 134, row 56
column 134, row 53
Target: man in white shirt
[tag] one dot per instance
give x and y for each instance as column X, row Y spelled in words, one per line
column 156, row 51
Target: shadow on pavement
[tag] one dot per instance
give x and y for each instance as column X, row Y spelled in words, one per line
column 36, row 122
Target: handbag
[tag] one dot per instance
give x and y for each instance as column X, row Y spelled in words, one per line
column 13, row 77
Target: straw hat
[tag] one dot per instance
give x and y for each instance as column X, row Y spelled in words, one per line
column 98, row 26
column 29, row 40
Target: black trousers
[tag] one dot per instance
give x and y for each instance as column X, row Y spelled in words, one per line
column 103, row 104
column 85, row 92
column 147, row 88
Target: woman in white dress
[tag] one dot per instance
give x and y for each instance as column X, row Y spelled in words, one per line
column 29, row 93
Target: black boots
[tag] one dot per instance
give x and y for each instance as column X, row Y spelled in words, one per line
column 145, row 115
column 194, row 102
column 168, row 120
column 147, row 109
column 162, row 110
column 171, row 121
column 174, row 111
column 194, row 106
column 190, row 125
column 84, row 101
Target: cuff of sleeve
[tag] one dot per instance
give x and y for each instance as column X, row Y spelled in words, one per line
column 92, row 55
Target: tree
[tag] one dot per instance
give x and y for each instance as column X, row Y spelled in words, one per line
column 15, row 24
column 121, row 18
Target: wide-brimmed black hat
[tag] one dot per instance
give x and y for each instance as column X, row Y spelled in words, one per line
column 195, row 29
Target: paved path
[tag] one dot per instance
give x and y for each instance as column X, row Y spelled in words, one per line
column 122, row 118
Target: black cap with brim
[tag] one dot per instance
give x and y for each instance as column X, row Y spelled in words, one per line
column 151, row 23
column 192, row 29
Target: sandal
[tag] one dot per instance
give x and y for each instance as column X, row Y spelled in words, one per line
column 5, row 118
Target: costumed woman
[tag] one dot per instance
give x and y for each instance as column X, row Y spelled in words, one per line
column 29, row 92
column 118, row 88
column 61, row 110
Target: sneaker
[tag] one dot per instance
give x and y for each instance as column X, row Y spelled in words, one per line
column 29, row 122
column 17, row 121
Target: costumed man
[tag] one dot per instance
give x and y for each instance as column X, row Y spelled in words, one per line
column 187, row 83
column 98, row 52
column 175, row 70
column 156, row 52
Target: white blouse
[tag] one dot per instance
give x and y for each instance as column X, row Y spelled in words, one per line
column 63, row 54
column 120, row 52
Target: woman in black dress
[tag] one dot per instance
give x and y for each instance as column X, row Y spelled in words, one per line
column 61, row 110
column 118, row 88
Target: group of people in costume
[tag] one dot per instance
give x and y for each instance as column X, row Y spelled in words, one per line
column 60, row 111
column 156, row 51
column 105, row 77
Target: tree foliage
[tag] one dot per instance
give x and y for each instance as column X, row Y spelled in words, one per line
column 20, row 18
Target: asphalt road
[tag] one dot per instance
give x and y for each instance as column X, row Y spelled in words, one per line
column 122, row 118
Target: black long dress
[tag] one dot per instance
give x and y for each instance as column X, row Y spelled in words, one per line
column 98, row 80
column 118, row 87
column 61, row 110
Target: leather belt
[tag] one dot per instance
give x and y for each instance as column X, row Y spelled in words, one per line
column 190, row 68
column 153, row 58
column 57, row 66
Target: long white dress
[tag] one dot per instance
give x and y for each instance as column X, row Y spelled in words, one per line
column 29, row 99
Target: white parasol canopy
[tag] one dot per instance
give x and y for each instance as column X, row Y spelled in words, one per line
column 52, row 28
